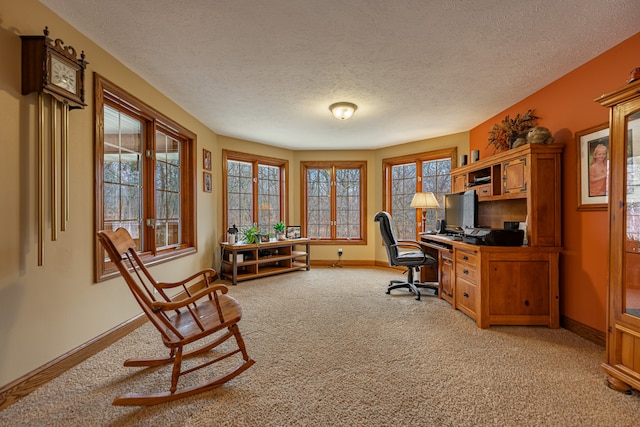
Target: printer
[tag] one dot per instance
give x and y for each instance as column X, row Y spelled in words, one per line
column 493, row 237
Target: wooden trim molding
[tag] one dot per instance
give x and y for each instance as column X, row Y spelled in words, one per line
column 16, row 390
column 586, row 332
column 342, row 263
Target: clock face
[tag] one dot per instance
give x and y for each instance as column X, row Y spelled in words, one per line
column 63, row 75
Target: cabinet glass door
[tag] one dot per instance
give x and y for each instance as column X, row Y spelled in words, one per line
column 631, row 285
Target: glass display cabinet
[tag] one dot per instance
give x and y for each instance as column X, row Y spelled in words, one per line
column 623, row 316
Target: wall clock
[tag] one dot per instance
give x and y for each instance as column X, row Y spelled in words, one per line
column 49, row 66
column 56, row 74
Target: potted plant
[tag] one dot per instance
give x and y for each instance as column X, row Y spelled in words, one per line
column 503, row 135
column 251, row 235
column 279, row 227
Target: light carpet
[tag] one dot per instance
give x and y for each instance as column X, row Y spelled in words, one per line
column 332, row 349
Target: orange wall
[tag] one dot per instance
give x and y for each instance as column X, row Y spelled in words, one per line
column 566, row 106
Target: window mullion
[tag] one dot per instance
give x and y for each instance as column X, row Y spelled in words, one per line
column 334, row 204
column 254, row 193
column 283, row 193
column 418, row 212
column 148, row 188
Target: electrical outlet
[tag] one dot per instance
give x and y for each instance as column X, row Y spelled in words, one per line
column 340, row 252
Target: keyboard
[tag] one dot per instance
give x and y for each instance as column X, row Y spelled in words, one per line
column 449, row 237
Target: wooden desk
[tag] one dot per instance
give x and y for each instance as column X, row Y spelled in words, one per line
column 244, row 262
column 499, row 285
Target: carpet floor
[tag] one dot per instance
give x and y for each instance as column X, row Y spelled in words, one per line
column 332, row 349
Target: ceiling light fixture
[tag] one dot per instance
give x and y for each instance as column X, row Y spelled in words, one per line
column 343, row 110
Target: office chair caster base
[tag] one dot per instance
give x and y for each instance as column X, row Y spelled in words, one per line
column 397, row 284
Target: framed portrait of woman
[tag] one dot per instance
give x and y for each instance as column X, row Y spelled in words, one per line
column 593, row 167
column 206, row 159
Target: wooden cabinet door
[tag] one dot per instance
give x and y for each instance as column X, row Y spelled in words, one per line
column 528, row 296
column 446, row 279
column 459, row 183
column 514, row 176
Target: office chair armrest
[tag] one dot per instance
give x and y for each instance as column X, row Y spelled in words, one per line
column 409, row 244
column 416, row 245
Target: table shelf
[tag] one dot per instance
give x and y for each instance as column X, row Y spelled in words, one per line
column 263, row 259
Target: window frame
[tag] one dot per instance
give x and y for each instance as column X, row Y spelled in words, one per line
column 333, row 165
column 418, row 159
column 116, row 97
column 255, row 160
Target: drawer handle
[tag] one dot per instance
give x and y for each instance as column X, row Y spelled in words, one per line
column 466, row 295
column 465, row 271
column 466, row 258
column 449, row 294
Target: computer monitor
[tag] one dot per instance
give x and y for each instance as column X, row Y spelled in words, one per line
column 461, row 211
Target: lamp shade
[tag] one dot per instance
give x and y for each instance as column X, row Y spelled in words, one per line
column 424, row 200
column 343, row 110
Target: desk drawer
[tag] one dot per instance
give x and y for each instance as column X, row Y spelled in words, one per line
column 467, row 272
column 483, row 190
column 466, row 296
column 467, row 257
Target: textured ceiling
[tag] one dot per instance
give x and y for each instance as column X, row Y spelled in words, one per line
column 267, row 71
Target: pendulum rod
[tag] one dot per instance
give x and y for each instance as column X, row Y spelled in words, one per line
column 53, row 132
column 64, row 173
column 40, row 167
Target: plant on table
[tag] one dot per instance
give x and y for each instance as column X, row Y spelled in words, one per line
column 279, row 227
column 251, row 235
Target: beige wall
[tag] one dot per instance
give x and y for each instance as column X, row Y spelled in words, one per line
column 46, row 311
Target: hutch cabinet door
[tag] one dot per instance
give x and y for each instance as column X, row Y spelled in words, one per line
column 459, row 183
column 514, row 176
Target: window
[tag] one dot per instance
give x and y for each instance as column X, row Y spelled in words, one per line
column 145, row 169
column 334, row 200
column 404, row 176
column 254, row 191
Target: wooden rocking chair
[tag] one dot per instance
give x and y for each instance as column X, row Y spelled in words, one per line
column 189, row 319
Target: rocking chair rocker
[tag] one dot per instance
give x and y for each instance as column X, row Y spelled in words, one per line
column 189, row 319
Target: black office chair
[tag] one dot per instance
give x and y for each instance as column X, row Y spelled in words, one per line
column 412, row 259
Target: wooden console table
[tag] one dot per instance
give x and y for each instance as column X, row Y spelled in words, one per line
column 498, row 285
column 244, row 262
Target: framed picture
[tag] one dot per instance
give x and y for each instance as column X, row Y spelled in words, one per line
column 593, row 167
column 206, row 185
column 293, row 232
column 206, row 159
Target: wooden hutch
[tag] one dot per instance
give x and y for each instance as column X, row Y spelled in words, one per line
column 497, row 285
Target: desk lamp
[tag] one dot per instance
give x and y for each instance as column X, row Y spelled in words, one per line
column 424, row 201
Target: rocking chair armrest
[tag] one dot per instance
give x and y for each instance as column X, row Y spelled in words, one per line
column 213, row 276
column 174, row 305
